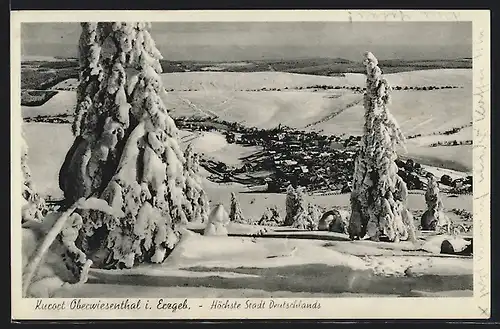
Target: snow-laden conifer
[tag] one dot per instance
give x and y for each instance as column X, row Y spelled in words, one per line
column 235, row 212
column 290, row 205
column 196, row 206
column 434, row 217
column 378, row 198
column 304, row 212
column 300, row 213
column 126, row 149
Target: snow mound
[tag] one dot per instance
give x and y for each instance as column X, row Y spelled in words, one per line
column 233, row 252
column 398, row 266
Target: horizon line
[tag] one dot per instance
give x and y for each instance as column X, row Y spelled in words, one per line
column 261, row 59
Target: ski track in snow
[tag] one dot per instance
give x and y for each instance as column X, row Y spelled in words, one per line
column 333, row 114
column 196, row 108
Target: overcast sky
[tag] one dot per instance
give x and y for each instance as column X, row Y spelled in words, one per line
column 254, row 40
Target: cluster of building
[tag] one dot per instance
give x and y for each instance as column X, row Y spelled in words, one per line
column 321, row 163
column 318, row 162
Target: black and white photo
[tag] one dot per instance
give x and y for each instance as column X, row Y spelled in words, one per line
column 255, row 165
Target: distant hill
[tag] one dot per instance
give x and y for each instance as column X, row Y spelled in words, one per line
column 427, row 104
column 312, row 66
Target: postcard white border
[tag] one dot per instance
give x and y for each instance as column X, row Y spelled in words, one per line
column 475, row 307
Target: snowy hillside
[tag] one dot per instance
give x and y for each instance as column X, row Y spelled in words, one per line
column 225, row 95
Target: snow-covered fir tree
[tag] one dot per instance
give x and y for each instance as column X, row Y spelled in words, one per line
column 126, row 148
column 299, row 213
column 196, row 206
column 434, row 217
column 290, row 204
column 378, row 198
column 303, row 220
column 235, row 213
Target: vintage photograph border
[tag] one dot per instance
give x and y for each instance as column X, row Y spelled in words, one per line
column 476, row 307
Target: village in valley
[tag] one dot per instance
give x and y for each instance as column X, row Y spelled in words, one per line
column 319, row 163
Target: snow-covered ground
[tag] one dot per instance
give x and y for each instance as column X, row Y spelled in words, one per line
column 288, row 264
column 258, row 80
column 417, row 112
column 225, row 95
column 336, row 111
column 436, row 77
column 213, row 145
column 270, row 267
column 458, row 158
column 232, row 81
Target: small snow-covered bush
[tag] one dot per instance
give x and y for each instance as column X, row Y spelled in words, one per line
column 446, row 180
column 271, row 217
column 306, row 216
column 217, row 222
